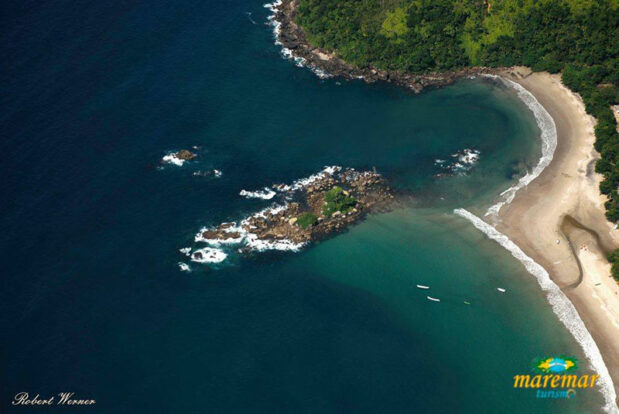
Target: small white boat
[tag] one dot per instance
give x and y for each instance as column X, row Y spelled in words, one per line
column 467, row 303
column 501, row 290
column 423, row 287
column 433, row 299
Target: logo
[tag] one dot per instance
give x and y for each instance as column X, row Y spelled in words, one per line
column 555, row 365
column 554, row 377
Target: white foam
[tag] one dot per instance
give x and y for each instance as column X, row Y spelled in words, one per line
column 269, row 211
column 285, row 52
column 249, row 239
column 185, row 250
column 468, row 156
column 254, row 243
column 245, row 229
column 549, row 143
column 304, row 182
column 265, row 194
column 560, row 304
column 209, row 255
column 321, row 73
column 208, row 173
column 218, row 242
column 184, row 267
column 173, row 159
column 274, row 8
column 464, row 162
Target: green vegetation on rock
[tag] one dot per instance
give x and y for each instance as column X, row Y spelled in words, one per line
column 306, row 220
column 336, row 199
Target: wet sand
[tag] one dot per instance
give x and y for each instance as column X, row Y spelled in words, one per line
column 558, row 219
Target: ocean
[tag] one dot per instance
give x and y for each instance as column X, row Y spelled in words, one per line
column 94, row 302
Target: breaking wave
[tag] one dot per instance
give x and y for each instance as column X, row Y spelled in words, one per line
column 241, row 234
column 285, row 52
column 208, row 255
column 549, row 143
column 173, row 159
column 265, row 194
column 560, row 304
column 244, row 235
column 463, row 162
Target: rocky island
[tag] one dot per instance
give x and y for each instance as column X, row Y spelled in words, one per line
column 313, row 209
column 179, row 157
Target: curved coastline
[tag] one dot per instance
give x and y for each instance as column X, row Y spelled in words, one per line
column 583, row 312
column 532, row 238
column 533, row 221
column 548, row 137
column 294, row 46
column 560, row 303
column 574, row 314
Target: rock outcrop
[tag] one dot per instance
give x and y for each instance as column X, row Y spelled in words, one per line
column 292, row 37
column 185, row 155
column 360, row 192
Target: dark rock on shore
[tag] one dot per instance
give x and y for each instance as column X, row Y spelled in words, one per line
column 293, row 37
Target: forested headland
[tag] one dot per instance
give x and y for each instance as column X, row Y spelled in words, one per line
column 578, row 38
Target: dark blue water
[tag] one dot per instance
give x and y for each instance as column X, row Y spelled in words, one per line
column 93, row 302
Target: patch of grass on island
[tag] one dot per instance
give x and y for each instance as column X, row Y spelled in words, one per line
column 336, row 199
column 306, row 220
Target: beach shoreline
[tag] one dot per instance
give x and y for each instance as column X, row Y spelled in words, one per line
column 544, row 216
column 558, row 219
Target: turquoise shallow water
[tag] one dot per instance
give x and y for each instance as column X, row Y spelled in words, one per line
column 93, row 300
column 492, row 338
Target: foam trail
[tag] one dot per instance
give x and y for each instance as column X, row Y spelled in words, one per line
column 549, row 143
column 560, row 304
column 250, row 19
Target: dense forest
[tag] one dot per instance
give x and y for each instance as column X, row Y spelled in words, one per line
column 578, row 38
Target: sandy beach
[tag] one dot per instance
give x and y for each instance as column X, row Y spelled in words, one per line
column 558, row 219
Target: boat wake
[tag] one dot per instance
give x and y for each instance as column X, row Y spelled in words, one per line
column 250, row 18
column 560, row 304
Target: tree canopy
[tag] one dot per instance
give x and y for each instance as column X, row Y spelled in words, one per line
column 575, row 37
